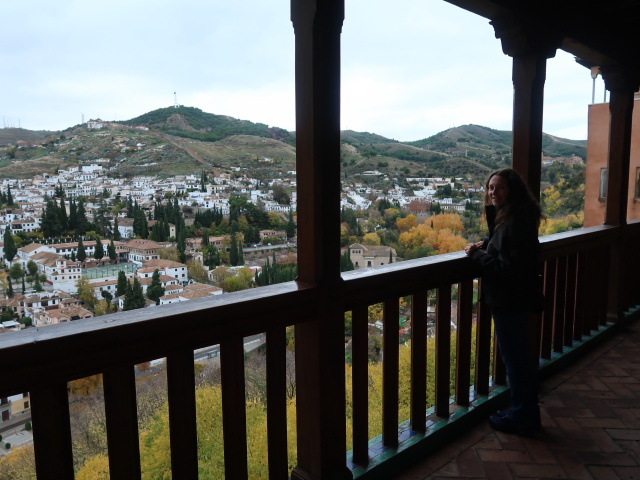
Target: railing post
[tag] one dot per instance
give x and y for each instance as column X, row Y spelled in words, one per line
column 320, row 399
column 622, row 85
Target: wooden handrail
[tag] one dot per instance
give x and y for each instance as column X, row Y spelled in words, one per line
column 114, row 344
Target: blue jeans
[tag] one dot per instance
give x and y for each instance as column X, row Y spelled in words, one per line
column 512, row 331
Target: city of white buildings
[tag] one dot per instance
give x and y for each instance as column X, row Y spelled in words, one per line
column 57, row 262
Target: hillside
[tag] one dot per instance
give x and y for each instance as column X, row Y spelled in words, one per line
column 172, row 141
column 191, row 122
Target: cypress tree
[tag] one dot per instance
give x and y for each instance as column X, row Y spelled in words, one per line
column 121, row 287
column 290, row 228
column 64, row 221
column 81, row 218
column 98, row 254
column 233, row 249
column 82, row 255
column 155, row 289
column 345, row 261
column 240, row 254
column 10, row 249
column 111, row 249
column 116, row 230
column 73, row 215
column 10, row 288
column 138, row 296
column 9, row 196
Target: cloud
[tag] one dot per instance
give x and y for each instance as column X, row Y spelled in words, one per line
column 409, row 69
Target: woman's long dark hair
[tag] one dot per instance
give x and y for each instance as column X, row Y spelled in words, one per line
column 520, row 200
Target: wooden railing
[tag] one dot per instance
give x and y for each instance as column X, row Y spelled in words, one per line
column 42, row 360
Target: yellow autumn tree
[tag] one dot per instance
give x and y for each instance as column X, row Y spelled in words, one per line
column 450, row 221
column 407, row 223
column 371, row 239
column 550, row 226
column 96, row 468
column 19, row 464
column 441, row 241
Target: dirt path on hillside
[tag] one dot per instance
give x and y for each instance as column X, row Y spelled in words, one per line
column 180, row 144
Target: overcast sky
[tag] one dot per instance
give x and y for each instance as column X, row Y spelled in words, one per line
column 410, row 68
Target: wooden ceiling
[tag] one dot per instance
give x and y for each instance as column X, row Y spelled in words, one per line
column 598, row 32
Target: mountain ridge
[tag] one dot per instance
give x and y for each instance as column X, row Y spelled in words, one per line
column 186, row 140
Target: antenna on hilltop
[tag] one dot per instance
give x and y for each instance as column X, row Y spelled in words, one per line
column 175, row 100
column 82, row 119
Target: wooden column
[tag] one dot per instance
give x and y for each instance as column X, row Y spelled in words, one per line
column 320, row 400
column 621, row 88
column 529, row 73
column 530, row 44
column 621, row 85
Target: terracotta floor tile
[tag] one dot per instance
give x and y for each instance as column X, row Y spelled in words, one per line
column 591, row 427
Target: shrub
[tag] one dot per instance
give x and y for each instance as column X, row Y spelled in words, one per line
column 7, row 445
column 27, row 426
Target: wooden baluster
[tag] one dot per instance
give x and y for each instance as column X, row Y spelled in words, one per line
column 570, row 305
column 443, row 350
column 419, row 304
column 548, row 314
column 483, row 347
column 390, row 366
column 360, row 383
column 181, row 392
column 463, row 342
column 581, row 299
column 234, row 413
column 52, row 432
column 277, row 402
column 122, row 422
column 559, row 331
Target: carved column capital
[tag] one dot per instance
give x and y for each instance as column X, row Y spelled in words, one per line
column 621, row 79
column 524, row 36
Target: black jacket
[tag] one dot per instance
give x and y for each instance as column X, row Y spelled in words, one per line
column 509, row 263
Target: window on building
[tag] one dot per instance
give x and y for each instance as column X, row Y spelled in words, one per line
column 603, row 183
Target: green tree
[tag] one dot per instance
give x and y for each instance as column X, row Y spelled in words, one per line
column 121, row 286
column 116, row 231
column 9, row 288
column 32, row 268
column 155, row 290
column 345, row 261
column 62, row 213
column 290, row 227
column 111, row 250
column 85, row 293
column 81, row 224
column 82, row 254
column 10, row 249
column 98, row 254
column 15, row 271
column 134, row 298
column 50, row 223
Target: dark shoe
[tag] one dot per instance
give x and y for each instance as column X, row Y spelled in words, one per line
column 507, row 425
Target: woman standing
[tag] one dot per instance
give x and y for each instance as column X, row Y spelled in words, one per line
column 508, row 262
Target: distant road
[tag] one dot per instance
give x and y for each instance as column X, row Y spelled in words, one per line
column 279, row 246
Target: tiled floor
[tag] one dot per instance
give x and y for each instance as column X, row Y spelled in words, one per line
column 591, row 427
